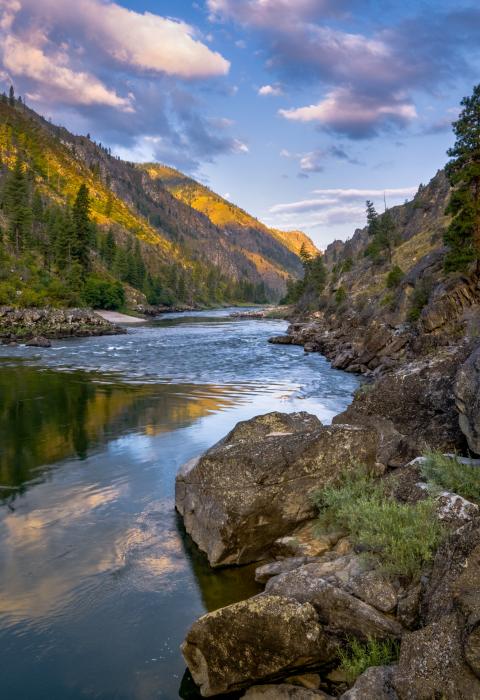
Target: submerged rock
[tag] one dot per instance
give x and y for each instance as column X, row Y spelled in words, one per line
column 260, row 639
column 39, row 342
column 256, row 485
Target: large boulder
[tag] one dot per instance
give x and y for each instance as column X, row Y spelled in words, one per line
column 340, row 612
column 260, row 639
column 467, row 394
column 256, row 485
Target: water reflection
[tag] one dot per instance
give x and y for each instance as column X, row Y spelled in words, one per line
column 98, row 581
column 47, row 416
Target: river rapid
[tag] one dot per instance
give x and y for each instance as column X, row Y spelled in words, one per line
column 98, row 581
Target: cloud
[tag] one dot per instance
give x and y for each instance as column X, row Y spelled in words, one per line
column 140, row 41
column 314, row 161
column 367, row 82
column 356, row 116
column 53, row 73
column 328, row 197
column 270, row 91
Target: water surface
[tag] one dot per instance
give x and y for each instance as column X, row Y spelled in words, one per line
column 98, row 581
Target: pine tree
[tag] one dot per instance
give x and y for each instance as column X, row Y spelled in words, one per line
column 11, row 96
column 463, row 235
column 109, row 248
column 82, row 228
column 17, row 206
column 372, row 218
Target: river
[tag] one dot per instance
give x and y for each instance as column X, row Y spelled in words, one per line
column 98, row 581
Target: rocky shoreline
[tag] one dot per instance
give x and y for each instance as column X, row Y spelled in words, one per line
column 38, row 326
column 251, row 498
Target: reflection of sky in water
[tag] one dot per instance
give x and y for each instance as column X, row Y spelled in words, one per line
column 98, row 584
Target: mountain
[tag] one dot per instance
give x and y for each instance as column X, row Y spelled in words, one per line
column 272, row 252
column 142, row 243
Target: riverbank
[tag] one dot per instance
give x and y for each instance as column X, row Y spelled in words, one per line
column 24, row 325
column 370, row 575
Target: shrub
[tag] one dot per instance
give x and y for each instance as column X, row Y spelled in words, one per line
column 401, row 536
column 358, row 656
column 340, row 295
column 419, row 300
column 453, row 475
column 394, row 277
column 101, row 294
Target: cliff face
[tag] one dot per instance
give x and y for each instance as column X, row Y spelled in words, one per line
column 376, row 314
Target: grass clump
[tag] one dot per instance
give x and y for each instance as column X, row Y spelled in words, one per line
column 401, row 536
column 358, row 656
column 452, row 475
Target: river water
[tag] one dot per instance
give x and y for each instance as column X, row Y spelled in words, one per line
column 98, row 581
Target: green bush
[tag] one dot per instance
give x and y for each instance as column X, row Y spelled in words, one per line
column 394, row 277
column 451, row 474
column 101, row 294
column 358, row 656
column 340, row 295
column 420, row 297
column 401, row 536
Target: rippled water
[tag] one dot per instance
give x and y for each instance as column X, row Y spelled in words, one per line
column 98, row 582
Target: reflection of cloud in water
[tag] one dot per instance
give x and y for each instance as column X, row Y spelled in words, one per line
column 147, row 556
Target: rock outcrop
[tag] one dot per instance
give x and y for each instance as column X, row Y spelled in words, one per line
column 256, row 485
column 27, row 324
column 467, row 394
column 419, row 402
column 225, row 651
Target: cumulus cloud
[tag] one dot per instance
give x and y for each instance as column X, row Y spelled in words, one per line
column 356, row 115
column 270, row 91
column 142, row 41
column 368, row 80
column 53, row 73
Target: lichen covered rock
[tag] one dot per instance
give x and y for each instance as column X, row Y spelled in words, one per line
column 256, row 484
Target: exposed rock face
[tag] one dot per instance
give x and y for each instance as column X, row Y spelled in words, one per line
column 376, row 683
column 467, row 394
column 431, row 664
column 256, row 484
column 25, row 324
column 340, row 612
column 225, row 651
column 418, row 400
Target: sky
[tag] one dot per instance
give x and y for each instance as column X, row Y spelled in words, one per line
column 296, row 110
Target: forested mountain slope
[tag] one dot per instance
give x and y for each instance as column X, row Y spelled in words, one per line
column 136, row 243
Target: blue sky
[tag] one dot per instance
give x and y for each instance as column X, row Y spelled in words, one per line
column 297, row 110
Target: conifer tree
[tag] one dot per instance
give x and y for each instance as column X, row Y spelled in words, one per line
column 17, row 206
column 372, row 218
column 463, row 235
column 11, row 96
column 82, row 228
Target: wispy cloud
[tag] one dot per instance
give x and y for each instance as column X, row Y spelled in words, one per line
column 270, row 91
